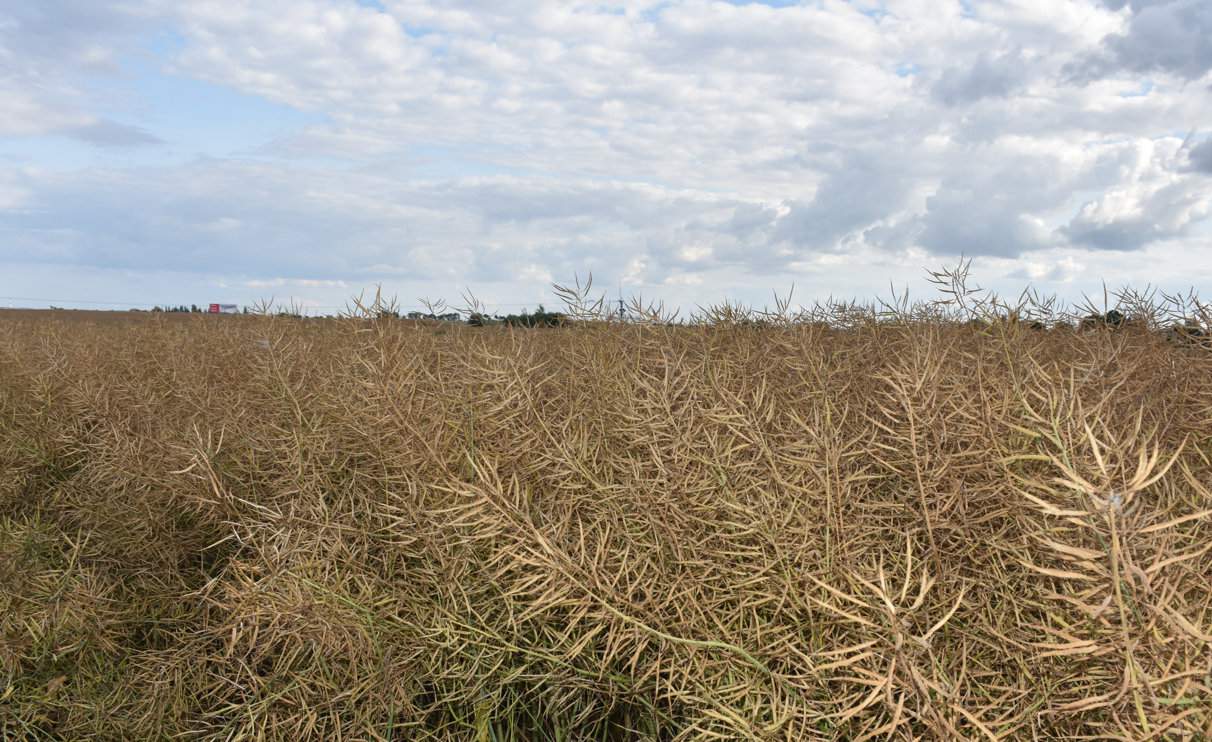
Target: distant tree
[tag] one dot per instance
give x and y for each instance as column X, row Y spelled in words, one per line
column 540, row 318
column 1113, row 319
column 1190, row 332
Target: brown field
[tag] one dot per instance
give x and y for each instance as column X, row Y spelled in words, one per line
column 265, row 528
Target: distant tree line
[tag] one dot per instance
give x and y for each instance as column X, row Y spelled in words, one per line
column 1190, row 331
column 195, row 309
column 539, row 318
column 444, row 317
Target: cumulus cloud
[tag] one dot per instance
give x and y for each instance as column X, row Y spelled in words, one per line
column 1155, row 201
column 1133, row 217
column 988, row 77
column 1200, row 157
column 859, row 190
column 677, row 144
column 1161, row 36
column 966, row 222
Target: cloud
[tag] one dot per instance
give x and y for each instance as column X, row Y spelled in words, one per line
column 1007, row 198
column 1133, row 217
column 1200, row 157
column 22, row 114
column 675, row 144
column 967, row 222
column 51, row 54
column 301, row 223
column 105, row 133
column 13, row 194
column 73, row 34
column 860, row 189
column 1161, row 36
column 988, row 77
column 1059, row 270
column 1156, row 201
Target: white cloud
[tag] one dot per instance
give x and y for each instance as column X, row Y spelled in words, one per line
column 310, row 283
column 1154, row 200
column 663, row 143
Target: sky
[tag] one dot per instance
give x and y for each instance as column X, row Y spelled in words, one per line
column 158, row 151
